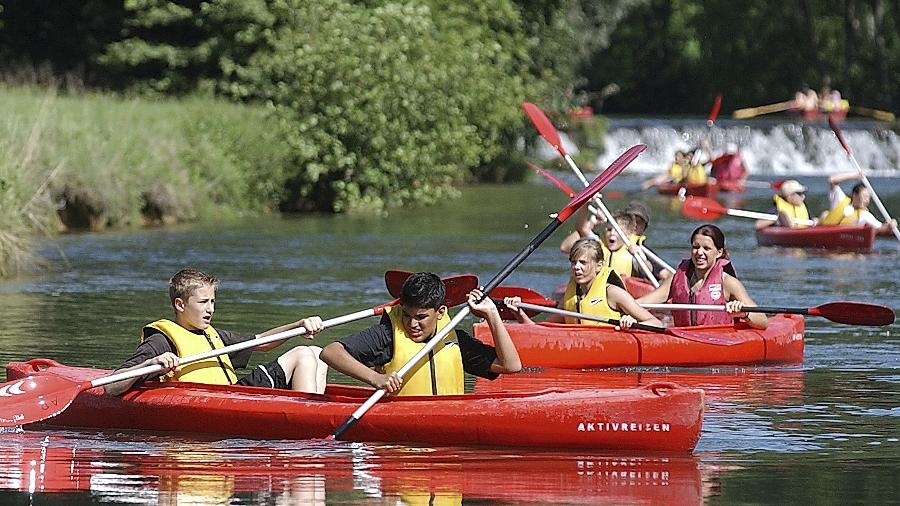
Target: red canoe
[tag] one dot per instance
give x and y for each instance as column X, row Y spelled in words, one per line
column 708, row 189
column 658, row 417
column 585, row 347
column 840, row 237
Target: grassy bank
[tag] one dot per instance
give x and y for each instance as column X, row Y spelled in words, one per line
column 92, row 161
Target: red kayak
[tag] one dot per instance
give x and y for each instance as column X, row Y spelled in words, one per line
column 658, row 417
column 840, row 237
column 584, row 347
column 708, row 189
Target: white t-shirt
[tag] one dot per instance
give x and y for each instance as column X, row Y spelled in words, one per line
column 836, row 195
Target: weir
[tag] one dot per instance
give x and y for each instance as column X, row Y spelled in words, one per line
column 769, row 148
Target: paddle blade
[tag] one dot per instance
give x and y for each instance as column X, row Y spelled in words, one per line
column 544, row 127
column 855, row 313
column 600, row 181
column 36, row 398
column 714, row 112
column 458, row 286
column 527, row 295
column 553, row 179
column 702, row 208
column 837, row 131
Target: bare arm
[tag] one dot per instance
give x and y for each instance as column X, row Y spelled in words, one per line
column 836, row 179
column 313, row 326
column 337, row 357
column 507, row 360
column 622, row 301
column 738, row 297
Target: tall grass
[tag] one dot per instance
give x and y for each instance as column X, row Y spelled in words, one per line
column 93, row 161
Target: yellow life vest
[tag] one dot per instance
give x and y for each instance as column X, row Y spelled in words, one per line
column 696, row 175
column 447, row 377
column 212, row 371
column 676, row 172
column 837, row 216
column 795, row 212
column 593, row 303
column 620, row 260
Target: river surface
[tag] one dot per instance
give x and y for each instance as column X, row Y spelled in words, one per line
column 824, row 432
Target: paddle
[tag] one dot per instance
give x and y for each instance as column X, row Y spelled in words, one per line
column 850, row 313
column 714, row 112
column 750, row 112
column 862, row 175
column 549, row 133
column 579, row 200
column 704, row 208
column 553, row 179
column 874, row 113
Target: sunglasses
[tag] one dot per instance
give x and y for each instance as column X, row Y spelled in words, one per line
column 802, row 194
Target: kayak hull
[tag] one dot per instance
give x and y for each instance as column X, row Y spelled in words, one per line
column 585, row 347
column 837, row 237
column 658, row 417
column 709, row 189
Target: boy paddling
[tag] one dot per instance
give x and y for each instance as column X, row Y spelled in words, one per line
column 193, row 296
column 374, row 355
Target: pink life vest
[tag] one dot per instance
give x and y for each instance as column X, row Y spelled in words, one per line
column 712, row 292
column 727, row 167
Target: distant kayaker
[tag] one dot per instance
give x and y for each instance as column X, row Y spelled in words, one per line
column 193, row 296
column 633, row 220
column 707, row 277
column 851, row 210
column 593, row 289
column 375, row 354
column 683, row 171
column 790, row 205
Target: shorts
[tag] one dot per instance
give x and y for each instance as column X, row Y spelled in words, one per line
column 269, row 375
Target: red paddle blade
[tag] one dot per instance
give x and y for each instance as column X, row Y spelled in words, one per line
column 36, row 398
column 837, row 131
column 544, row 127
column 714, row 112
column 600, row 181
column 553, row 179
column 702, row 208
column 527, row 295
column 776, row 185
column 458, row 286
column 855, row 313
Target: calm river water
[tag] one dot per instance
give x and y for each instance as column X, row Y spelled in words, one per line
column 825, row 432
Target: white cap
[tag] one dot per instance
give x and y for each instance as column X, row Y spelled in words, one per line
column 791, row 186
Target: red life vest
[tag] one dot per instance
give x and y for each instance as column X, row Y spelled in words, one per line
column 727, row 167
column 712, row 292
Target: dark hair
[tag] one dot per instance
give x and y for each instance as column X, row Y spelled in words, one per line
column 183, row 284
column 714, row 233
column 857, row 188
column 423, row 290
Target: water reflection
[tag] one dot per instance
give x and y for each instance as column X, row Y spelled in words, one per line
column 147, row 469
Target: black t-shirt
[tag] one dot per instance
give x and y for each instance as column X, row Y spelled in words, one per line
column 374, row 347
column 157, row 343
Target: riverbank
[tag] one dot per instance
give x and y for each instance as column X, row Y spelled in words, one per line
column 93, row 162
